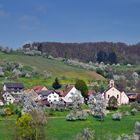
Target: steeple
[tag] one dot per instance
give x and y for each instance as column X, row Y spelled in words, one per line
column 111, row 83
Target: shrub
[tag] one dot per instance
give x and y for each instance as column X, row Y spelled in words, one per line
column 117, row 116
column 87, row 134
column 133, row 111
column 126, row 113
column 100, row 71
column 135, row 105
column 2, row 113
column 8, row 111
column 71, row 117
column 137, row 129
column 81, row 115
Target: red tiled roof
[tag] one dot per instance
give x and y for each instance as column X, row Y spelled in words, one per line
column 37, row 89
column 66, row 91
column 60, row 92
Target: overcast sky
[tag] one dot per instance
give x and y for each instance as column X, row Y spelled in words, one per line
column 24, row 21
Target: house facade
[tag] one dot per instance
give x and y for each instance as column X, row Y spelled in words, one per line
column 69, row 93
column 8, row 98
column 49, row 96
column 14, row 88
column 113, row 91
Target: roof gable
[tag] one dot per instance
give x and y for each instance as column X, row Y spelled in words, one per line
column 67, row 90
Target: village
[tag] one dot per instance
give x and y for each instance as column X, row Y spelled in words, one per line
column 12, row 93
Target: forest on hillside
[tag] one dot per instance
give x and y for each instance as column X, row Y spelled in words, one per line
column 107, row 52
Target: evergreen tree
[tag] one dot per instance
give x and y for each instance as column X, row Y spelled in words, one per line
column 101, row 57
column 112, row 58
column 56, row 84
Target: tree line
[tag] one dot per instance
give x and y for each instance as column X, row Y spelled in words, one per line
column 107, row 52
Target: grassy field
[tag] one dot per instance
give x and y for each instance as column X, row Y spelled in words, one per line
column 68, row 74
column 58, row 128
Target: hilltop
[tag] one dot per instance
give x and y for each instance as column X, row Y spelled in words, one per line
column 107, row 52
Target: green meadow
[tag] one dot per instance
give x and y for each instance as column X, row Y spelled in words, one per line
column 58, row 128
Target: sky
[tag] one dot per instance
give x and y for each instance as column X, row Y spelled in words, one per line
column 23, row 21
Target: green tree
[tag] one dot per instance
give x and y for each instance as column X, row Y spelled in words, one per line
column 81, row 86
column 39, row 121
column 31, row 126
column 56, row 84
column 24, row 127
column 112, row 103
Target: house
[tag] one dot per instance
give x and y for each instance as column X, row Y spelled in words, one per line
column 132, row 97
column 50, row 96
column 69, row 92
column 38, row 89
column 91, row 93
column 113, row 91
column 13, row 88
column 31, row 94
column 8, row 98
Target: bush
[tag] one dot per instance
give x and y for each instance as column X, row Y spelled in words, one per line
column 133, row 111
column 71, row 117
column 137, row 128
column 87, row 134
column 135, row 105
column 2, row 113
column 8, row 111
column 100, row 71
column 81, row 115
column 117, row 116
column 126, row 113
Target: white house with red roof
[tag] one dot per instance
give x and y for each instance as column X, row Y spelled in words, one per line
column 113, row 91
column 69, row 92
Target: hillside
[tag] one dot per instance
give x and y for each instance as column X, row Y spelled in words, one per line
column 56, row 68
column 107, row 52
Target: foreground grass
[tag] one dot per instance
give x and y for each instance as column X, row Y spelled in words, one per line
column 60, row 129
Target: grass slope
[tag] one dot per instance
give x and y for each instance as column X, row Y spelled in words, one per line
column 56, row 68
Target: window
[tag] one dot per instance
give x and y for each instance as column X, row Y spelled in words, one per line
column 54, row 96
column 108, row 96
column 72, row 93
column 54, row 100
column 117, row 96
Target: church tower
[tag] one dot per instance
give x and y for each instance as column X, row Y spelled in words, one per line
column 111, row 83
